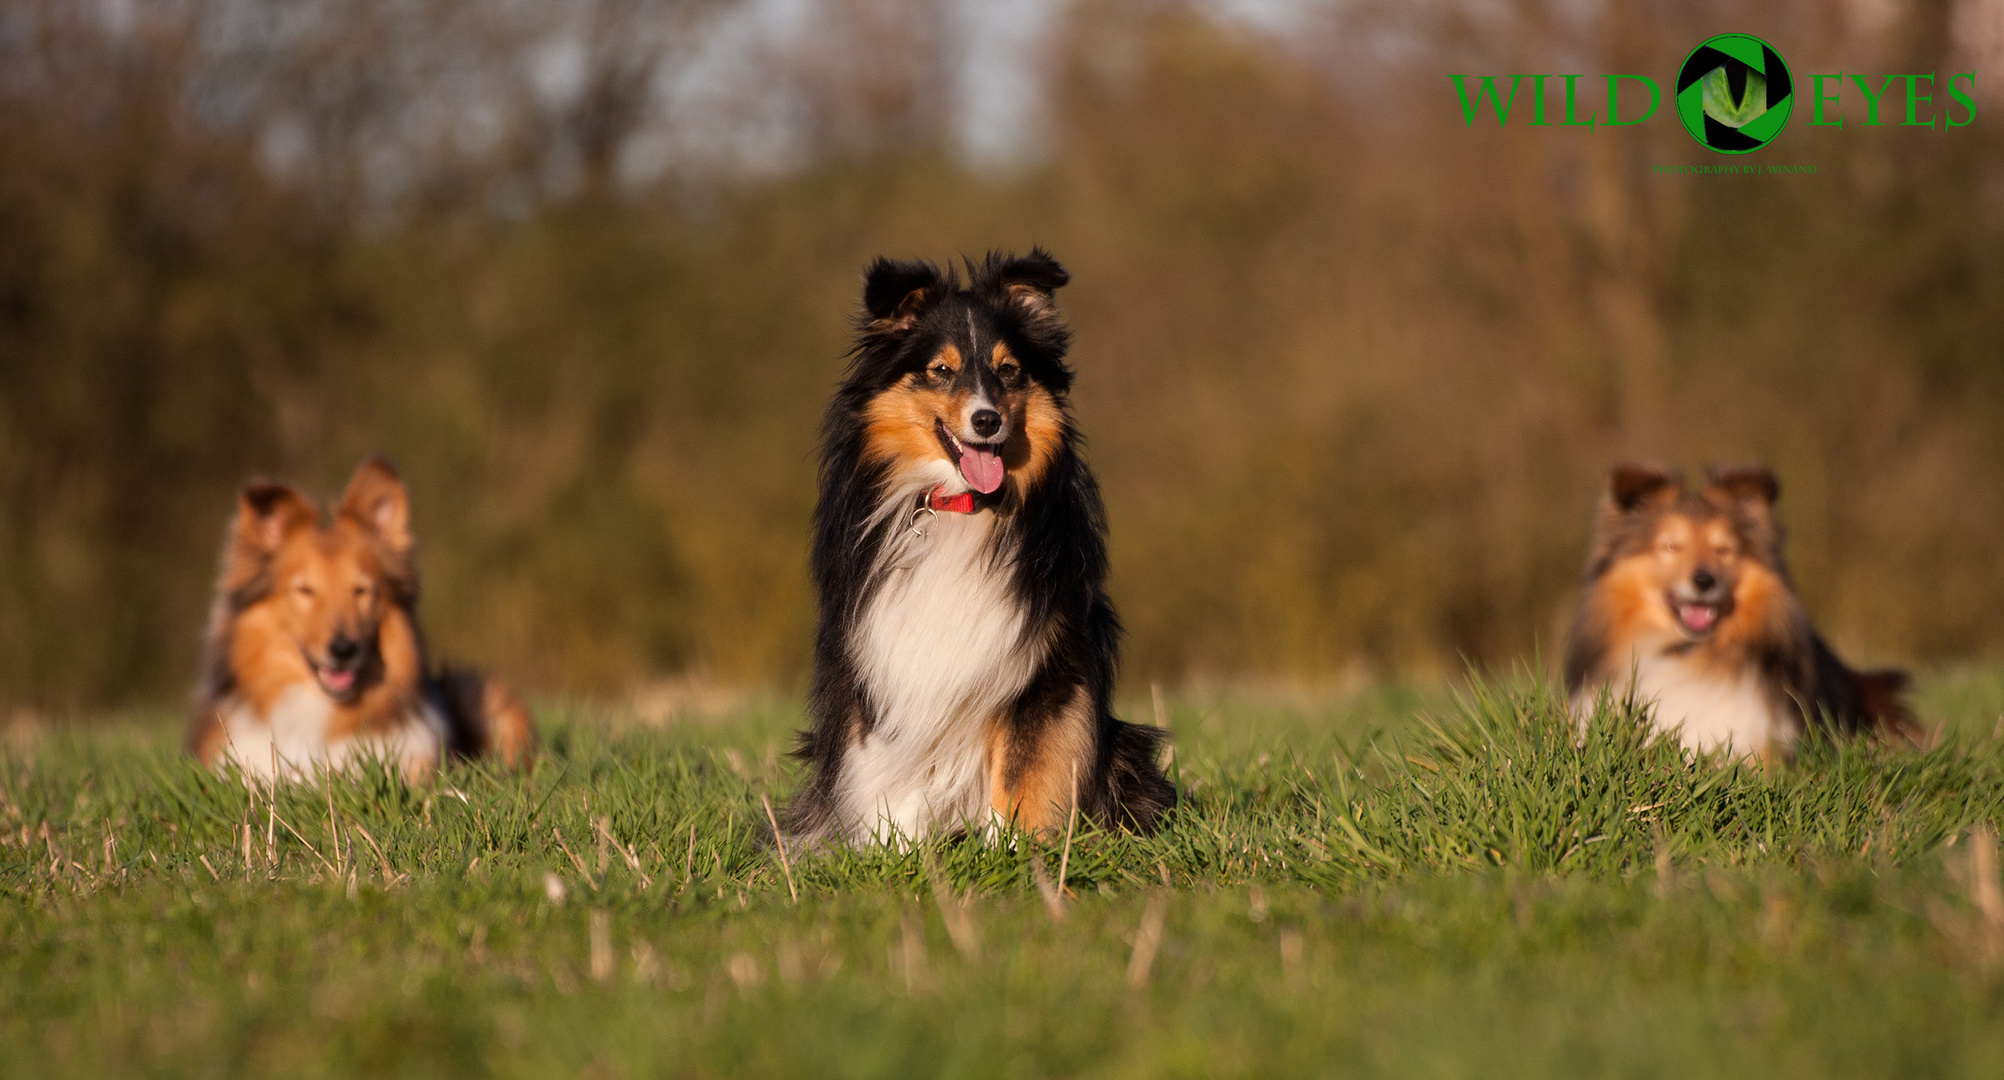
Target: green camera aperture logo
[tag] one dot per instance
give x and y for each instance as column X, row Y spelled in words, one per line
column 1734, row 93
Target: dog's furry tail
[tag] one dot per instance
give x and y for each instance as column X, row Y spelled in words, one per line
column 485, row 717
column 1879, row 695
column 1137, row 794
column 1861, row 702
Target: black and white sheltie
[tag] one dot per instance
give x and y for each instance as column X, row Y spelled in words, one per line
column 967, row 648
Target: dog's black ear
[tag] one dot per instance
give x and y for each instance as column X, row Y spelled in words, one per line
column 1752, row 486
column 895, row 292
column 1037, row 271
column 1028, row 280
column 1631, row 485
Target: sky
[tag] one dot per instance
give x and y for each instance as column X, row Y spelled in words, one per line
column 997, row 61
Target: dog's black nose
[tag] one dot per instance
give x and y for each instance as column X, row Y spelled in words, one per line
column 343, row 649
column 1703, row 580
column 987, row 422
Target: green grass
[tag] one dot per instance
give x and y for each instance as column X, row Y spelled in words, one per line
column 1402, row 883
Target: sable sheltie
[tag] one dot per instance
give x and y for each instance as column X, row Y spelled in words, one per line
column 967, row 648
column 1688, row 607
column 313, row 657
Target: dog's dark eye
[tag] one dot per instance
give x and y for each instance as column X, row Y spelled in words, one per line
column 942, row 371
column 1007, row 370
column 303, row 589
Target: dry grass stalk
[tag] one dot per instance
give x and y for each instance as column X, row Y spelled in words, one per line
column 333, row 826
column 953, row 911
column 575, row 861
column 1065, row 860
column 1666, row 871
column 601, row 946
column 1054, row 901
column 1147, row 939
column 1162, row 721
column 1986, row 891
column 390, row 876
column 314, row 851
column 626, row 852
column 917, row 975
column 780, row 840
column 1293, row 970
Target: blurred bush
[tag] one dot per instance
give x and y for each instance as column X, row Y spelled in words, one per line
column 1350, row 370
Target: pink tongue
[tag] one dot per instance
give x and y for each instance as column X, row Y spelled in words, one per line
column 1697, row 618
column 982, row 468
column 337, row 681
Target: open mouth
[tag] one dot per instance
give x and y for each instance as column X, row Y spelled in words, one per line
column 339, row 683
column 980, row 463
column 1696, row 618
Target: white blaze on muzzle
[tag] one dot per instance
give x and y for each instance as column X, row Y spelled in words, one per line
column 980, row 456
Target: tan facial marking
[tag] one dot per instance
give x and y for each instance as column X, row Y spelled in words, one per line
column 1683, row 545
column 1761, row 603
column 944, row 365
column 1720, row 540
column 1035, row 435
column 899, row 424
column 1631, row 595
column 331, row 585
column 1004, row 362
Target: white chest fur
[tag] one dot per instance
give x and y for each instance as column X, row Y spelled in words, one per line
column 1709, row 708
column 940, row 651
column 290, row 739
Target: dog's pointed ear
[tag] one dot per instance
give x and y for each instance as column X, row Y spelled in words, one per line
column 1752, row 487
column 895, row 292
column 1631, row 488
column 1030, row 280
column 1748, row 494
column 375, row 498
column 266, row 514
column 1630, row 485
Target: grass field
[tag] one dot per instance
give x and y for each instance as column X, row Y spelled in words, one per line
column 1403, row 883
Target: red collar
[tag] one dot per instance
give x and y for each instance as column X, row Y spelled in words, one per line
column 962, row 503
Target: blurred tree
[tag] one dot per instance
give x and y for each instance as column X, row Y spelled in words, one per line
column 1352, row 370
